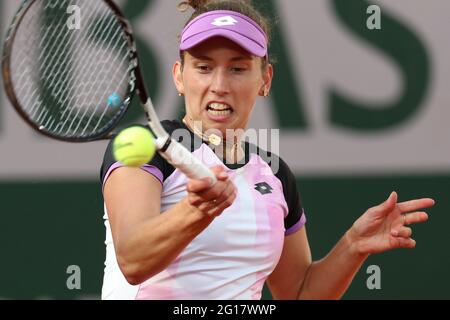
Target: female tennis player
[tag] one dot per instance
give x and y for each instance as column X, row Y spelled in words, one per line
column 169, row 237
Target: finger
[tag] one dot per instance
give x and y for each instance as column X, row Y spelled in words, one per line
column 225, row 204
column 213, row 203
column 217, row 169
column 204, row 189
column 229, row 190
column 214, row 192
column 403, row 232
column 415, row 217
column 222, row 176
column 196, row 199
column 388, row 205
column 220, row 173
column 198, row 185
column 405, row 243
column 207, row 206
column 417, row 204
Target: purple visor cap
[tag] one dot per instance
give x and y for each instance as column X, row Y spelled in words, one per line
column 228, row 24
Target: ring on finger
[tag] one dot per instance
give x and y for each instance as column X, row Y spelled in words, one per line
column 404, row 219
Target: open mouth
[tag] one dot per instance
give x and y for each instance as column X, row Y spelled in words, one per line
column 219, row 109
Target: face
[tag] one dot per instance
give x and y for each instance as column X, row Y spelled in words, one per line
column 221, row 82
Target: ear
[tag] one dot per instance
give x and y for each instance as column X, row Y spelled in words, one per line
column 177, row 74
column 267, row 81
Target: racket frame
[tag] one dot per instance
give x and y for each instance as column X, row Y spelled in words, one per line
column 171, row 150
column 133, row 84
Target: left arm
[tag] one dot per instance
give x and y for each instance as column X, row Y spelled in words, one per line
column 380, row 229
column 297, row 277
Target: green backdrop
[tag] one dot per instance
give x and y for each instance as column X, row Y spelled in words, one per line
column 48, row 226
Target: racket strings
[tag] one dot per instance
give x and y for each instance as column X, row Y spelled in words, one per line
column 117, row 60
column 84, row 88
column 64, row 77
column 97, row 72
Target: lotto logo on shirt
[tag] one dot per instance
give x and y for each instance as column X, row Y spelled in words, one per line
column 263, row 188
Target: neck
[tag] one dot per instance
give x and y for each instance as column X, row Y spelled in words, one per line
column 231, row 151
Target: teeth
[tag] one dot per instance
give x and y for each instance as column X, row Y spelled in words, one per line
column 219, row 113
column 219, row 107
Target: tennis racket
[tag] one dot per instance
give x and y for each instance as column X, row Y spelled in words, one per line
column 70, row 69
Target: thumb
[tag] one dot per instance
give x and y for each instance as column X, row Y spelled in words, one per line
column 220, row 173
column 217, row 169
column 388, row 205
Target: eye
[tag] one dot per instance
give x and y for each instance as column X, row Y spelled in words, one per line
column 203, row 68
column 238, row 69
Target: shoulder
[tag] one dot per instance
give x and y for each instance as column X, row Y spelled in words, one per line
column 276, row 163
column 295, row 218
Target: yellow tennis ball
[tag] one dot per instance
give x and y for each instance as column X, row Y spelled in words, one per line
column 134, row 146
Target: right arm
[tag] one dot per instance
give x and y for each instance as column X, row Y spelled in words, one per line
column 145, row 240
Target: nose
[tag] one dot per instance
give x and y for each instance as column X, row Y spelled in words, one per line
column 220, row 84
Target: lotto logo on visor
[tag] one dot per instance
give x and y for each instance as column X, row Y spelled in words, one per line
column 228, row 24
column 224, row 21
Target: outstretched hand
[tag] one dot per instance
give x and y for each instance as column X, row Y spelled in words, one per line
column 385, row 227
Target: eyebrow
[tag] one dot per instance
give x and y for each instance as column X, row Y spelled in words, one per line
column 234, row 59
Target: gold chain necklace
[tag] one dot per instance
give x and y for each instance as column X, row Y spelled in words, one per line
column 213, row 139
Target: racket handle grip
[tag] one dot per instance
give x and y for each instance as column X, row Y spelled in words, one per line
column 178, row 156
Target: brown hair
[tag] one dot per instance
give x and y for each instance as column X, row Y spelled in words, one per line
column 242, row 6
